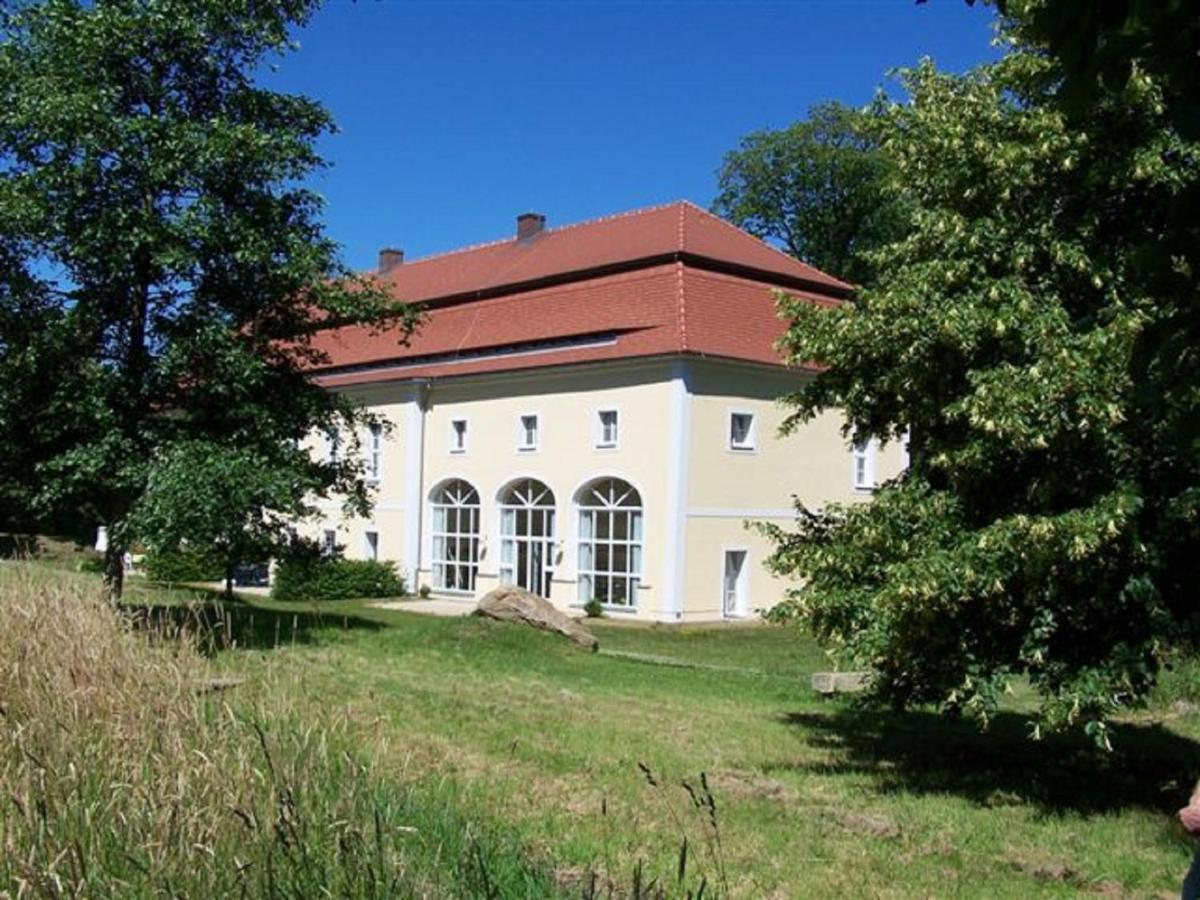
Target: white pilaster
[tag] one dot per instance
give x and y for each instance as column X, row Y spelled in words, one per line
column 679, row 441
column 412, row 436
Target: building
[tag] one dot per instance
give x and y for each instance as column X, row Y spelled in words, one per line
column 590, row 411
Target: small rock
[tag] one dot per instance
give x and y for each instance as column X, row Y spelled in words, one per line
column 509, row 603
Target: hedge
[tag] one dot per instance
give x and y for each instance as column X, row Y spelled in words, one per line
column 316, row 578
column 183, row 564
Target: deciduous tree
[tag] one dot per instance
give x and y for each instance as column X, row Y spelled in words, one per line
column 1048, row 524
column 816, row 187
column 170, row 263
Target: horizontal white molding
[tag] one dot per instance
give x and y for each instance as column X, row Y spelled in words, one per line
column 718, row 512
column 384, row 506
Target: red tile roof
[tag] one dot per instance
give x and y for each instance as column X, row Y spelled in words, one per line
column 664, row 280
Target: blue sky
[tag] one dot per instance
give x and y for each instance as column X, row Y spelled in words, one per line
column 454, row 117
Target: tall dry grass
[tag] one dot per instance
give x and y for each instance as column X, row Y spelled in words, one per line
column 123, row 774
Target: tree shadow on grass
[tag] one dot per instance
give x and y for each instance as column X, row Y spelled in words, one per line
column 923, row 752
column 218, row 623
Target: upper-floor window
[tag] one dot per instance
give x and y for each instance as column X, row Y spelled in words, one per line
column 458, row 435
column 741, row 431
column 864, row 464
column 373, row 452
column 527, row 437
column 606, row 428
column 333, row 442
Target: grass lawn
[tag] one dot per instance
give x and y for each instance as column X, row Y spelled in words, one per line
column 814, row 798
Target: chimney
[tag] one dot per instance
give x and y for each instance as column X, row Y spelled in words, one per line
column 530, row 225
column 389, row 258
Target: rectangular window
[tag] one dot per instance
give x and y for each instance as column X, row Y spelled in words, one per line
column 527, row 439
column 458, row 435
column 329, row 542
column 371, row 545
column 334, row 444
column 741, row 431
column 607, row 428
column 373, row 462
column 864, row 465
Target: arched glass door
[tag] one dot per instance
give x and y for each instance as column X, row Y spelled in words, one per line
column 610, row 543
column 527, row 536
column 455, row 561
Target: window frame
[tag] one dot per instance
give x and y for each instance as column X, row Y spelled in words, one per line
column 866, row 451
column 455, row 446
column 592, row 508
column 743, row 585
column 536, row 500
column 371, row 547
column 598, row 440
column 465, row 568
column 373, row 453
column 750, row 444
column 522, row 432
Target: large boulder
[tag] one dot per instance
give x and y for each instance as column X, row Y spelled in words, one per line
column 509, row 603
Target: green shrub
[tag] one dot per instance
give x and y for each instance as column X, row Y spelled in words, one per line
column 309, row 576
column 1179, row 680
column 425, row 591
column 183, row 564
column 593, row 609
column 90, row 562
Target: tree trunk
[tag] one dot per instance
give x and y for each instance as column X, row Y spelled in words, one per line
column 114, row 573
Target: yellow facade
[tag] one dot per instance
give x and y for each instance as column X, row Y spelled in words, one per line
column 695, row 490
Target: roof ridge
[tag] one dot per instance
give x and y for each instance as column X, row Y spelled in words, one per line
column 611, row 217
column 741, row 231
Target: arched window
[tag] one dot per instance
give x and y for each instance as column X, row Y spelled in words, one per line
column 455, row 557
column 527, row 535
column 610, row 542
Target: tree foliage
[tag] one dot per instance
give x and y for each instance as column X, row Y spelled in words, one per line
column 1102, row 46
column 1047, row 525
column 164, row 267
column 816, row 187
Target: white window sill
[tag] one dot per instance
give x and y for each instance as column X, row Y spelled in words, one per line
column 629, row 610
